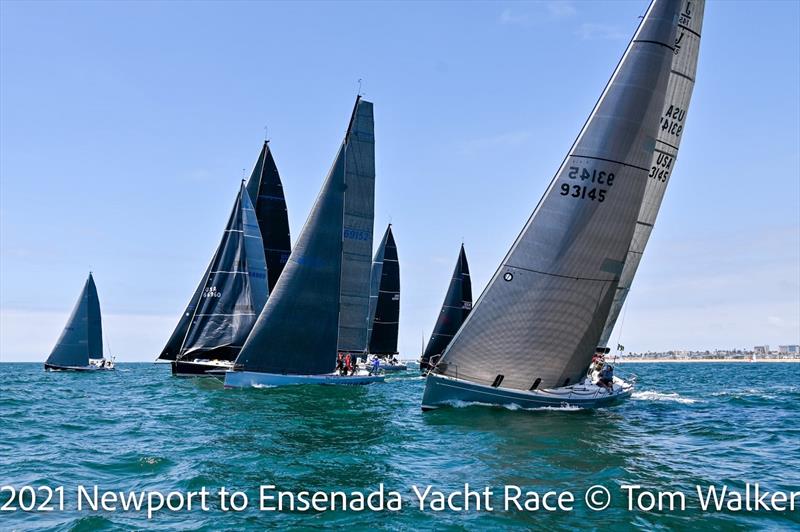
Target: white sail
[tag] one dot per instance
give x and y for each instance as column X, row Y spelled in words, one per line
column 673, row 122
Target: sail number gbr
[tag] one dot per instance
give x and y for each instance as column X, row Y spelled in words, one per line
column 586, row 178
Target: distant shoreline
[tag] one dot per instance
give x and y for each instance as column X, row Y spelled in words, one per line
column 625, row 360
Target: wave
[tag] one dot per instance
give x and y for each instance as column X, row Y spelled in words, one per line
column 659, row 396
column 514, row 407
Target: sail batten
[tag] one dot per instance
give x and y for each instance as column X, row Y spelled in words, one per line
column 544, row 309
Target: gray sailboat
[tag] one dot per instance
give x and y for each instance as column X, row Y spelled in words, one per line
column 80, row 346
column 531, row 335
column 670, row 134
column 295, row 339
column 233, row 295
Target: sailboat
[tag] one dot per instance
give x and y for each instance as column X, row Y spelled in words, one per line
column 266, row 194
column 665, row 155
column 455, row 309
column 532, row 334
column 296, row 338
column 80, row 346
column 384, row 306
column 233, row 295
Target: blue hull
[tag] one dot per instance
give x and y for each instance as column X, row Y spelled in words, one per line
column 443, row 391
column 252, row 379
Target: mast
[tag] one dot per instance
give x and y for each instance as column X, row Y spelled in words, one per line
column 543, row 312
column 359, row 213
column 235, row 289
column 82, row 337
column 662, row 166
column 456, row 307
column 384, row 307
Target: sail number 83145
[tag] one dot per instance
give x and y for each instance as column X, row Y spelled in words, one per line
column 584, row 191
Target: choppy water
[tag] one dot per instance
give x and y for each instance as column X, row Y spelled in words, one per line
column 140, row 429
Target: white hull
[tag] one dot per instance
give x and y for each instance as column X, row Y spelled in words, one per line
column 250, row 379
column 441, row 391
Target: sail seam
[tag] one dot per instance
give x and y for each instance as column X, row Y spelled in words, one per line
column 610, row 161
column 682, row 75
column 667, row 144
column 655, row 42
column 690, row 30
column 562, row 276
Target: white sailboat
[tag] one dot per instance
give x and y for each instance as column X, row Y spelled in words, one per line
column 531, row 336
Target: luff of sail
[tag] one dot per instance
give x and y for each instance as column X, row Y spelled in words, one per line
column 234, row 292
column 384, row 303
column 673, row 122
column 173, row 347
column 541, row 316
column 298, row 328
column 359, row 212
column 455, row 309
column 266, row 193
column 82, row 337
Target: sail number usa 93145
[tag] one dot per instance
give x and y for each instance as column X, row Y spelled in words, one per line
column 587, row 178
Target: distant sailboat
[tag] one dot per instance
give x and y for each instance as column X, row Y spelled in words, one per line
column 532, row 334
column 266, row 194
column 384, row 305
column 296, row 336
column 80, row 346
column 232, row 297
column 455, row 309
column 670, row 133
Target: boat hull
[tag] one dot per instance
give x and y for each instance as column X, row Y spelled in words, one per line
column 441, row 391
column 193, row 368
column 250, row 379
column 53, row 367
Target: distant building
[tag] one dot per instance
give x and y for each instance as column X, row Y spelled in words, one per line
column 761, row 350
column 789, row 349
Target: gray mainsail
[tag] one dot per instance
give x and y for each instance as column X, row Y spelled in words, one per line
column 542, row 314
column 359, row 167
column 266, row 192
column 298, row 329
column 673, row 121
column 234, row 291
column 82, row 337
column 455, row 309
column 384, row 299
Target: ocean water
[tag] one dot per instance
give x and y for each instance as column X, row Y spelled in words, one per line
column 140, row 429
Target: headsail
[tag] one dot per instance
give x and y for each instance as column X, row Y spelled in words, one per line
column 359, row 167
column 662, row 166
column 455, row 309
column 234, row 291
column 173, row 347
column 266, row 192
column 541, row 316
column 82, row 337
column 298, row 330
column 384, row 302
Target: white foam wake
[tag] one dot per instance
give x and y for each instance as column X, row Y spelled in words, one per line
column 658, row 396
column 514, row 407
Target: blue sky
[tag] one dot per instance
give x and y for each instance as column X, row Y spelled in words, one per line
column 125, row 126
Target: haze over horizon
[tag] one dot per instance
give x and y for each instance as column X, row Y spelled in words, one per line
column 124, row 129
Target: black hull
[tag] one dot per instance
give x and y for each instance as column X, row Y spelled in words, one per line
column 182, row 368
column 53, row 367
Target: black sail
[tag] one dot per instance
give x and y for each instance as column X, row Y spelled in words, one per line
column 455, row 309
column 234, row 291
column 266, row 193
column 173, row 347
column 82, row 337
column 384, row 303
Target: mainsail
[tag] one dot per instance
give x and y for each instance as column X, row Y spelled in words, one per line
column 266, row 192
column 384, row 302
column 298, row 329
column 455, row 309
column 234, row 291
column 540, row 318
column 359, row 168
column 82, row 337
column 670, row 133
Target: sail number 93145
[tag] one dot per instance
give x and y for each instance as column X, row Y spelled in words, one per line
column 586, row 176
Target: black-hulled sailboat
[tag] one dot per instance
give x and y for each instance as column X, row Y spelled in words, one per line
column 455, row 309
column 532, row 334
column 295, row 339
column 384, row 307
column 80, row 346
column 232, row 296
column 266, row 194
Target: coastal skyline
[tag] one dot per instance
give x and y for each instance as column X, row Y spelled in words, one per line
column 128, row 166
